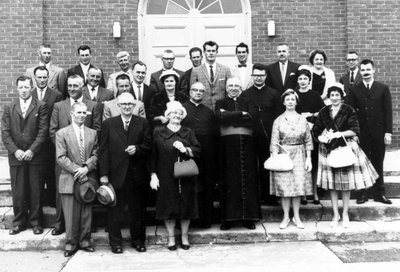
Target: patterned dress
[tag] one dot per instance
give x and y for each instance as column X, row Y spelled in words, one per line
column 295, row 137
column 362, row 174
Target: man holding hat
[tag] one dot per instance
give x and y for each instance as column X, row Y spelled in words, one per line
column 125, row 143
column 76, row 153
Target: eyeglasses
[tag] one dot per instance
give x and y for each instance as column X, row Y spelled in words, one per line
column 126, row 104
column 258, row 75
column 168, row 59
column 349, row 60
column 198, row 90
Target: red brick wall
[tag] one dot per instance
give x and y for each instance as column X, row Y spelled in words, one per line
column 333, row 25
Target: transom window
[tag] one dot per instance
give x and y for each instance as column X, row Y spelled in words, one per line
column 187, row 6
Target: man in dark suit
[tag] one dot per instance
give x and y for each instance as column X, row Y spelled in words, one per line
column 146, row 92
column 212, row 74
column 50, row 96
column 57, row 77
column 125, row 143
column 352, row 75
column 373, row 103
column 168, row 59
column 268, row 105
column 24, row 129
column 282, row 75
column 196, row 57
column 85, row 56
column 76, row 149
column 60, row 118
column 93, row 91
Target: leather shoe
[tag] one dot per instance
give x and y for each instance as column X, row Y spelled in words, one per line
column 88, row 249
column 116, row 250
column 361, row 199
column 37, row 230
column 57, row 231
column 316, row 202
column 140, row 248
column 225, row 226
column 16, row 230
column 383, row 199
column 249, row 225
column 69, row 253
column 185, row 247
column 172, row 248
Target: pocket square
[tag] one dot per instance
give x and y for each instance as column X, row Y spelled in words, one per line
column 88, row 113
column 292, row 74
column 36, row 114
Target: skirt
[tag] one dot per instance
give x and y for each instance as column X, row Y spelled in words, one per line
column 296, row 182
column 358, row 176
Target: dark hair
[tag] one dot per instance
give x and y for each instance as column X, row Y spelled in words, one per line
column 139, row 62
column 259, row 66
column 122, row 77
column 242, row 44
column 168, row 51
column 289, row 92
column 314, row 53
column 210, row 43
column 195, row 49
column 84, row 47
column 304, row 72
column 24, row 78
column 367, row 61
column 352, row 52
column 176, row 77
column 41, row 68
column 335, row 89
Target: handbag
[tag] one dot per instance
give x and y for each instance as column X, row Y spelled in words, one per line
column 280, row 162
column 185, row 169
column 341, row 156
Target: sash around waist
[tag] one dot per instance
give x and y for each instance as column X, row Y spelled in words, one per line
column 231, row 130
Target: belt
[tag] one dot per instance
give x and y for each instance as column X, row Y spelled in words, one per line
column 230, row 130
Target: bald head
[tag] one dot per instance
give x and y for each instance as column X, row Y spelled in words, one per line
column 197, row 92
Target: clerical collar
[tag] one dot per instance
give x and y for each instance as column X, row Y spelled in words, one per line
column 259, row 88
column 196, row 104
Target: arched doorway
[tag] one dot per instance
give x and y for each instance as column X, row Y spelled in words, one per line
column 181, row 24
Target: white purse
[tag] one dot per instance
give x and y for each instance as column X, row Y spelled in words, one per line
column 279, row 162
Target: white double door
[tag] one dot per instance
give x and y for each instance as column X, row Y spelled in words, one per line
column 180, row 33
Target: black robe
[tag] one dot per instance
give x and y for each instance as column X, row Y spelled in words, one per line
column 239, row 186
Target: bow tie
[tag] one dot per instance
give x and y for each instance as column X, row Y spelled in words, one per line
column 242, row 65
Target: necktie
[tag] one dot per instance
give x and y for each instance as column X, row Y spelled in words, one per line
column 367, row 86
column 139, row 93
column 211, row 74
column 283, row 72
column 41, row 94
column 242, row 65
column 126, row 125
column 94, row 96
column 81, row 146
column 352, row 78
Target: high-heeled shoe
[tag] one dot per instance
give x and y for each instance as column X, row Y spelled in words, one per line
column 185, row 241
column 284, row 224
column 335, row 222
column 173, row 246
column 298, row 224
column 346, row 222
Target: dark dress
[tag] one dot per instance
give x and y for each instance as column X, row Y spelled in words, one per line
column 158, row 105
column 318, row 83
column 176, row 199
column 239, row 186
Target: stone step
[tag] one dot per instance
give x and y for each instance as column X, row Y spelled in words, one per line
column 366, row 231
column 309, row 213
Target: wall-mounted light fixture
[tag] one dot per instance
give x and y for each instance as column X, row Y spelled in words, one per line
column 271, row 28
column 116, row 30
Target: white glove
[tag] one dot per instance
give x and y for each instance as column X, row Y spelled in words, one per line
column 154, row 182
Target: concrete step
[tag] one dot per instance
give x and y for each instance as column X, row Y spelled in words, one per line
column 309, row 213
column 367, row 231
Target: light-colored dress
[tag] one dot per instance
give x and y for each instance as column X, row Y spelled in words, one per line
column 295, row 137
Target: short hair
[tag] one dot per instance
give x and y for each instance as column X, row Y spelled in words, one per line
column 95, row 68
column 259, row 66
column 304, row 72
column 122, row 77
column 168, row 51
column 41, row 68
column 314, row 53
column 139, row 62
column 44, row 46
column 336, row 89
column 194, row 49
column 242, row 44
column 77, row 104
column 24, row 78
column 352, row 52
column 289, row 92
column 76, row 76
column 121, row 54
column 210, row 43
column 84, row 47
column 281, row 44
column 367, row 61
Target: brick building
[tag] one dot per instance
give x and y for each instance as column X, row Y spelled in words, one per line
column 371, row 27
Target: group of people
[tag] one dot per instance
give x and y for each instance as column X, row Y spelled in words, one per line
column 79, row 138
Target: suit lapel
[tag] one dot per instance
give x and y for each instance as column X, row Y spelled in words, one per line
column 31, row 107
column 119, row 128
column 88, row 142
column 51, row 73
column 75, row 146
column 67, row 109
column 217, row 71
column 204, row 68
column 277, row 71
